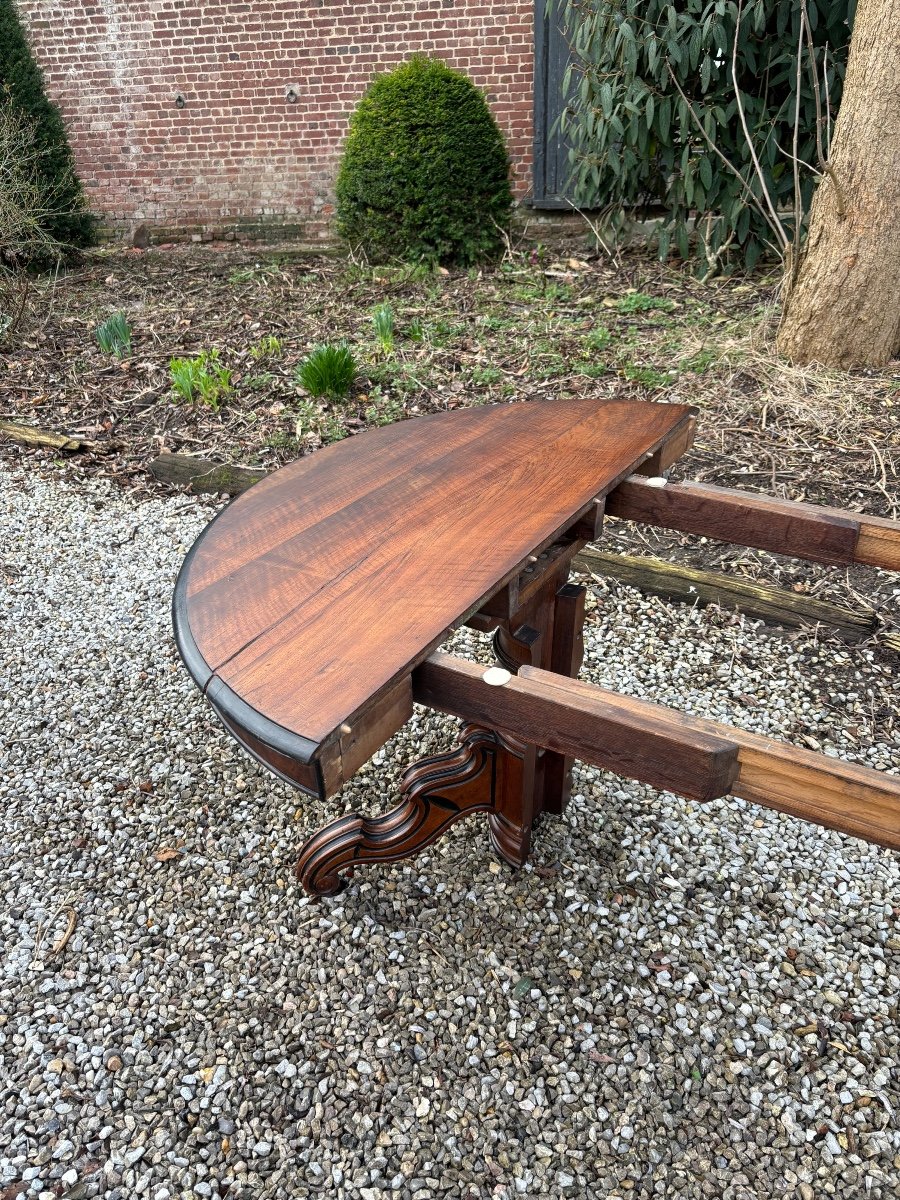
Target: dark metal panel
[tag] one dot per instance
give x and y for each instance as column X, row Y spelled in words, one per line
column 551, row 151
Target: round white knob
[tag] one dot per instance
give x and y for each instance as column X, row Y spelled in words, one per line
column 496, row 676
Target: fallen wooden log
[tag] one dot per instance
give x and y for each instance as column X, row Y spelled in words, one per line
column 776, row 606
column 203, row 475
column 30, row 436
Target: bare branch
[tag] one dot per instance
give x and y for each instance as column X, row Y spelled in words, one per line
column 827, row 169
column 798, row 195
column 25, row 205
column 748, row 195
column 594, row 227
column 817, row 96
column 713, row 257
column 775, row 221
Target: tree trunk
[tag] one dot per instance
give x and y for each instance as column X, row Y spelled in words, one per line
column 844, row 307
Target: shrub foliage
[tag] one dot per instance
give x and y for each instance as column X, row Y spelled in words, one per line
column 635, row 140
column 425, row 173
column 54, row 189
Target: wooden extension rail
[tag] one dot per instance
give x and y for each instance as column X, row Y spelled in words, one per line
column 696, row 758
column 826, row 535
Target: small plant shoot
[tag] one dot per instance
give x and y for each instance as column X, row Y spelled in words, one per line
column 383, row 320
column 329, row 371
column 202, row 379
column 268, row 346
column 114, row 335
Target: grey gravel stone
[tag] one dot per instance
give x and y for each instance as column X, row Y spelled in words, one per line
column 613, row 1020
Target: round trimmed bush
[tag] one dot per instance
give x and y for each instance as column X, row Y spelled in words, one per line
column 425, row 173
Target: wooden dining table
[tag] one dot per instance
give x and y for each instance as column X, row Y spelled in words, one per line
column 304, row 607
column 309, row 612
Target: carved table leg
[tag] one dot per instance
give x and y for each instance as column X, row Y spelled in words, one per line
column 547, row 633
column 488, row 772
column 566, row 657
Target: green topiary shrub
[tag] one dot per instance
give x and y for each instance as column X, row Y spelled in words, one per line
column 425, row 173
column 49, row 165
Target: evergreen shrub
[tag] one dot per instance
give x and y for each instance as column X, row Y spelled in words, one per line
column 50, row 168
column 651, row 94
column 425, row 173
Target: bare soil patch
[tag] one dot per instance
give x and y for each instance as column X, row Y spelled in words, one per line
column 535, row 326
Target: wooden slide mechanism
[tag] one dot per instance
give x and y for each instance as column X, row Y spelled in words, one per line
column 494, row 772
column 521, row 736
column 700, row 759
column 808, row 531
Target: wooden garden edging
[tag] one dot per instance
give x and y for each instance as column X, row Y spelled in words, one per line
column 203, row 475
column 774, row 605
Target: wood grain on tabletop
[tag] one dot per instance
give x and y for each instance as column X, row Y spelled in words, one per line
column 329, row 579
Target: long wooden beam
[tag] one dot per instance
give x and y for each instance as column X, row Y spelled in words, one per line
column 696, row 758
column 588, row 725
column 826, row 535
column 777, row 606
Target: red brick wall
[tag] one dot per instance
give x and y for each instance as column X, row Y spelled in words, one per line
column 238, row 148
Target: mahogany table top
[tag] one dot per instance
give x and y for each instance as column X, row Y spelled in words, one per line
column 323, row 585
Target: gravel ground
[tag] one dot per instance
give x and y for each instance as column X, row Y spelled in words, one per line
column 669, row 1001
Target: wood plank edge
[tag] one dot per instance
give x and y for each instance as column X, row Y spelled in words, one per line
column 644, row 745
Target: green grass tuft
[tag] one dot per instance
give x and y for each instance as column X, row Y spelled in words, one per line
column 597, row 339
column 328, row 371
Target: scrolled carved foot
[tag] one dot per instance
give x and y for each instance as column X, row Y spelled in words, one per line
column 325, row 852
column 483, row 774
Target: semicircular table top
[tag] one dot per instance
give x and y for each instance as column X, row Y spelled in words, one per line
column 327, row 582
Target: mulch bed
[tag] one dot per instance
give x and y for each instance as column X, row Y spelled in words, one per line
column 537, row 325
